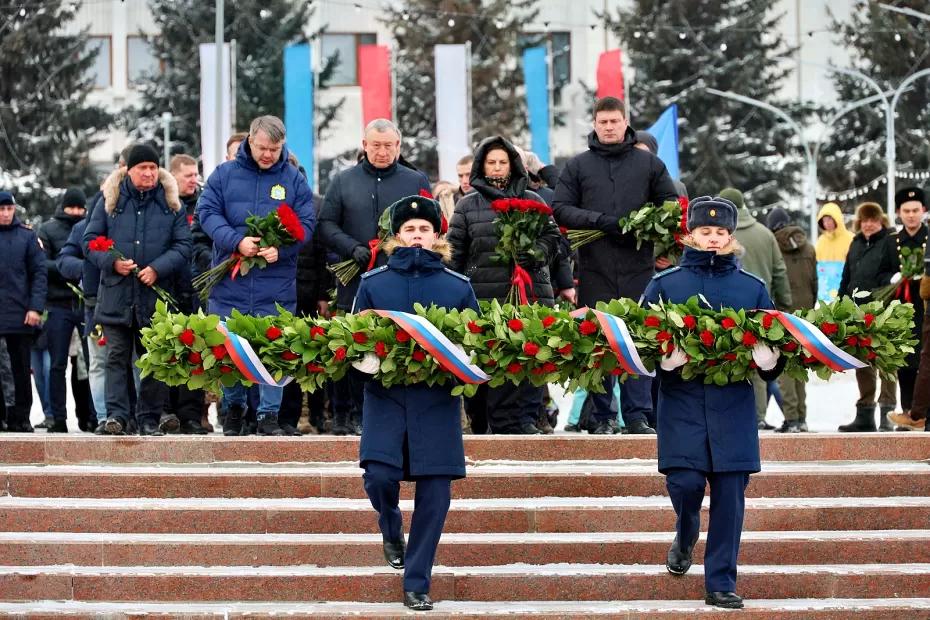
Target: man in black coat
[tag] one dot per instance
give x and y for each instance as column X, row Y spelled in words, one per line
column 610, row 180
column 65, row 313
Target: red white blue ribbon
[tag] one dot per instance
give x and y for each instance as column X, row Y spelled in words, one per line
column 816, row 343
column 451, row 357
column 246, row 360
column 620, row 341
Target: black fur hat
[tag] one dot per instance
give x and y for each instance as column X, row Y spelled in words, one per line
column 711, row 211
column 415, row 207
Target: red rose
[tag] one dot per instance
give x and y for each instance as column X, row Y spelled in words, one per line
column 219, row 351
column 596, row 364
column 514, row 368
column 865, row 342
column 197, row 371
column 339, row 354
column 689, row 321
column 315, row 368
column 749, row 339
column 752, row 364
column 538, row 371
column 667, row 347
column 829, row 329
column 549, row 367
column 492, row 343
column 663, row 336
column 852, row 341
column 872, row 355
column 566, row 350
column 187, row 337
column 381, row 349
column 868, row 318
column 563, row 230
column 501, row 205
column 289, row 356
column 315, row 331
column 531, row 348
column 617, row 371
column 273, row 333
column 707, row 338
column 474, row 327
column 492, row 362
column 418, row 355
column 290, row 222
column 767, row 321
column 587, row 327
column 729, row 356
column 548, row 321
column 652, row 321
column 194, row 357
column 790, row 346
column 710, row 362
column 808, row 359
column 425, row 193
column 515, row 324
column 226, row 369
column 360, row 337
column 102, row 342
column 402, row 336
column 728, row 323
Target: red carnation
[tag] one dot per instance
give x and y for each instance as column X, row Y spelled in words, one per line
column 381, row 349
column 617, row 371
column 418, row 355
column 273, row 333
column 315, row 368
column 100, row 244
column 852, row 341
column 492, row 362
column 315, row 331
column 425, row 193
column 187, row 337
column 474, row 327
column 667, row 347
column 710, row 362
column 548, row 321
column 809, row 359
column 514, row 368
column 289, row 356
column 767, row 321
column 492, row 343
column 549, row 367
column 531, row 348
column 538, row 371
column 219, row 351
column 197, row 371
column 226, row 369
column 102, row 342
column 515, row 324
column 194, row 357
column 340, row 354
column 566, row 350
column 790, row 346
column 587, row 328
column 749, row 339
column 829, row 328
column 563, row 230
column 291, row 222
column 728, row 323
column 872, row 355
column 360, row 337
column 652, row 321
column 663, row 336
column 868, row 318
column 402, row 336
column 707, row 338
column 689, row 321
column 865, row 342
column 729, row 356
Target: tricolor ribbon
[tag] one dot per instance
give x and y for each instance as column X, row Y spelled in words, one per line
column 246, row 360
column 816, row 343
column 620, row 341
column 441, row 348
column 522, row 279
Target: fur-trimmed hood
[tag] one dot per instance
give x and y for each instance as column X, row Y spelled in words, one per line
column 733, row 247
column 441, row 247
column 111, row 185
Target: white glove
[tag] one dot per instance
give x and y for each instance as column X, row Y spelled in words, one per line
column 765, row 357
column 676, row 359
column 368, row 364
column 896, row 278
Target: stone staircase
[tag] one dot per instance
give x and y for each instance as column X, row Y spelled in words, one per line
column 567, row 526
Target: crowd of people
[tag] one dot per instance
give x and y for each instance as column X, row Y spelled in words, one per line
column 65, row 303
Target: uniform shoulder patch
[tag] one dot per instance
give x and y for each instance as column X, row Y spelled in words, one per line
column 753, row 276
column 662, row 274
column 374, row 272
column 456, row 274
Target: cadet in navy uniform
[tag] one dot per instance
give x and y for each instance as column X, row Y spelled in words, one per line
column 708, row 433
column 412, row 432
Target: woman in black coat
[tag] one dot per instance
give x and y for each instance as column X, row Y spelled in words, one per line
column 498, row 172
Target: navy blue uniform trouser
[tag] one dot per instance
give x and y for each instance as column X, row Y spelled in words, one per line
column 431, row 503
column 61, row 323
column 727, row 503
column 635, row 400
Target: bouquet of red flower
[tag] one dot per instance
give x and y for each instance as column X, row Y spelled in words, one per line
column 279, row 228
column 519, row 223
column 345, row 271
column 664, row 225
column 105, row 244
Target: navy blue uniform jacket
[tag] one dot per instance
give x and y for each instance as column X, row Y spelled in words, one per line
column 710, row 428
column 23, row 281
column 426, row 419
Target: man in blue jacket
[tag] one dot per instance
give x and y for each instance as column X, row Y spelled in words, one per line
column 22, row 301
column 142, row 214
column 256, row 182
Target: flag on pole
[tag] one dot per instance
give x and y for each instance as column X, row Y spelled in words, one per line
column 610, row 75
column 374, row 78
column 665, row 131
column 213, row 154
column 536, row 78
column 298, row 103
column 452, row 106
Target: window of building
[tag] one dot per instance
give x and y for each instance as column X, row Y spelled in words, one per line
column 560, row 45
column 140, row 60
column 101, row 70
column 345, row 48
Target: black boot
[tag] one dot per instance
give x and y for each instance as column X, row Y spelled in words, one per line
column 864, row 422
column 727, row 600
column 417, row 601
column 232, row 425
column 394, row 553
column 269, row 427
column 678, row 560
column 884, row 424
column 640, row 427
column 340, row 423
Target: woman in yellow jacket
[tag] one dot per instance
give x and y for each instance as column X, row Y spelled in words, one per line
column 834, row 238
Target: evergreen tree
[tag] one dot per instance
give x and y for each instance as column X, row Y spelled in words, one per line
column 887, row 47
column 494, row 29
column 47, row 126
column 261, row 29
column 680, row 47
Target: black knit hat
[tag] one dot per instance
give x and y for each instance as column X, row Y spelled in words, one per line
column 74, row 197
column 415, row 207
column 711, row 211
column 777, row 219
column 140, row 154
column 907, row 194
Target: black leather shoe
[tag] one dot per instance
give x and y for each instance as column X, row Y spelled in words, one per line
column 269, row 427
column 765, row 426
column 604, row 427
column 101, row 428
column 169, row 423
column 417, row 601
column 528, row 429
column 639, row 427
column 728, row 600
column 289, row 430
column 192, row 427
column 150, row 428
column 678, row 560
column 394, row 553
column 113, row 426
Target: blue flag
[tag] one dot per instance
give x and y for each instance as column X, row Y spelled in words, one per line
column 536, row 77
column 298, row 104
column 666, row 132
